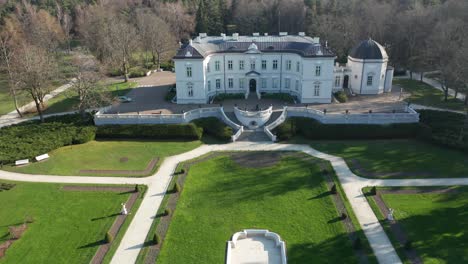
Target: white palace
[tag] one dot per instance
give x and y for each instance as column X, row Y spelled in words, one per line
column 295, row 64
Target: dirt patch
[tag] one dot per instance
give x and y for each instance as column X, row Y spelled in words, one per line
column 97, row 188
column 256, row 159
column 148, row 170
column 123, row 159
column 6, row 186
column 15, row 233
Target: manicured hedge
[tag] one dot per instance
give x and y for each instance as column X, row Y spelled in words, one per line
column 160, row 131
column 313, row 129
column 30, row 139
column 341, row 96
column 444, row 128
column 214, row 127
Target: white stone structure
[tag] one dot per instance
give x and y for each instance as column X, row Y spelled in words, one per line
column 295, row 64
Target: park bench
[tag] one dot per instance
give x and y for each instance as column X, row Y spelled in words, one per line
column 21, row 162
column 42, row 157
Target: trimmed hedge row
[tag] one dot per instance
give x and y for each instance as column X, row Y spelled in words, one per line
column 313, row 129
column 30, row 139
column 444, row 128
column 159, row 131
column 214, row 127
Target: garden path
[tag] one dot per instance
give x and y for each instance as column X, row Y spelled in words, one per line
column 134, row 238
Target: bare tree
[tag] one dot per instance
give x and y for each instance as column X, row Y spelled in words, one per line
column 9, row 38
column 87, row 84
column 156, row 37
column 36, row 69
column 123, row 42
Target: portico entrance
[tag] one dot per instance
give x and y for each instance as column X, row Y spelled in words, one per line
column 253, row 86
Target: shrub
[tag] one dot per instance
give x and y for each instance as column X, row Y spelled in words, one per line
column 325, row 172
column 341, row 96
column 30, row 139
column 343, row 216
column 177, row 187
column 171, row 93
column 167, row 211
column 313, row 129
column 156, row 239
column 136, row 72
column 214, row 127
column 182, row 171
column 357, row 243
column 408, row 245
column 109, row 238
column 162, row 131
column 373, row 191
column 333, row 189
column 279, row 96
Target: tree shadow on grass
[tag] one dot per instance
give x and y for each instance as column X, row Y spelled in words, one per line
column 441, row 233
column 321, row 195
column 334, row 250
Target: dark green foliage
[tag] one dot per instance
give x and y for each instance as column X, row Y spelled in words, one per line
column 171, row 93
column 156, row 239
column 177, row 187
column 444, row 128
column 333, row 189
column 226, row 96
column 341, row 96
column 182, row 171
column 373, row 191
column 214, row 127
column 6, row 186
column 167, row 211
column 313, row 129
column 137, row 72
column 279, row 96
column 30, row 139
column 109, row 237
column 408, row 245
column 343, row 216
column 160, row 131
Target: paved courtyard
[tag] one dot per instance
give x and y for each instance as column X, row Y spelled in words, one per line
column 149, row 99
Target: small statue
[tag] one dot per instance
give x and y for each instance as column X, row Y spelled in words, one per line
column 390, row 215
column 124, row 210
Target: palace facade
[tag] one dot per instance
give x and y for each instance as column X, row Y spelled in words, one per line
column 299, row 65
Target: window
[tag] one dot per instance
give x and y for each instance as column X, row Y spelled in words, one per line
column 263, row 64
column 264, row 83
column 189, row 71
column 287, row 83
column 297, row 85
column 275, row 64
column 217, row 66
column 337, row 81
column 190, row 89
column 241, row 65
column 229, row 64
column 208, row 67
column 288, row 65
column 209, row 85
column 318, row 70
column 275, row 83
column 298, row 66
column 370, row 79
column 218, row 84
column 241, row 83
column 252, row 65
column 317, row 89
column 230, row 83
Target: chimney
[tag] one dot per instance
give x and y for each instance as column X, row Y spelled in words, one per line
column 283, row 34
column 256, row 34
column 266, row 34
column 302, row 34
column 316, row 40
column 190, row 42
column 202, row 35
column 235, row 36
column 223, row 36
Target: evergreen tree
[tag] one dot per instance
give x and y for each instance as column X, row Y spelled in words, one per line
column 202, row 23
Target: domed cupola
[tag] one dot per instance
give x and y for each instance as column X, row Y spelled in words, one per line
column 369, row 50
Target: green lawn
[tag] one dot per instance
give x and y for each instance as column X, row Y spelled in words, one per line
column 68, row 101
column 436, row 223
column 6, row 101
column 409, row 156
column 424, row 94
column 105, row 155
column 68, row 226
column 289, row 198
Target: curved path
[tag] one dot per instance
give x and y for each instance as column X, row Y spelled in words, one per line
column 138, row 229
